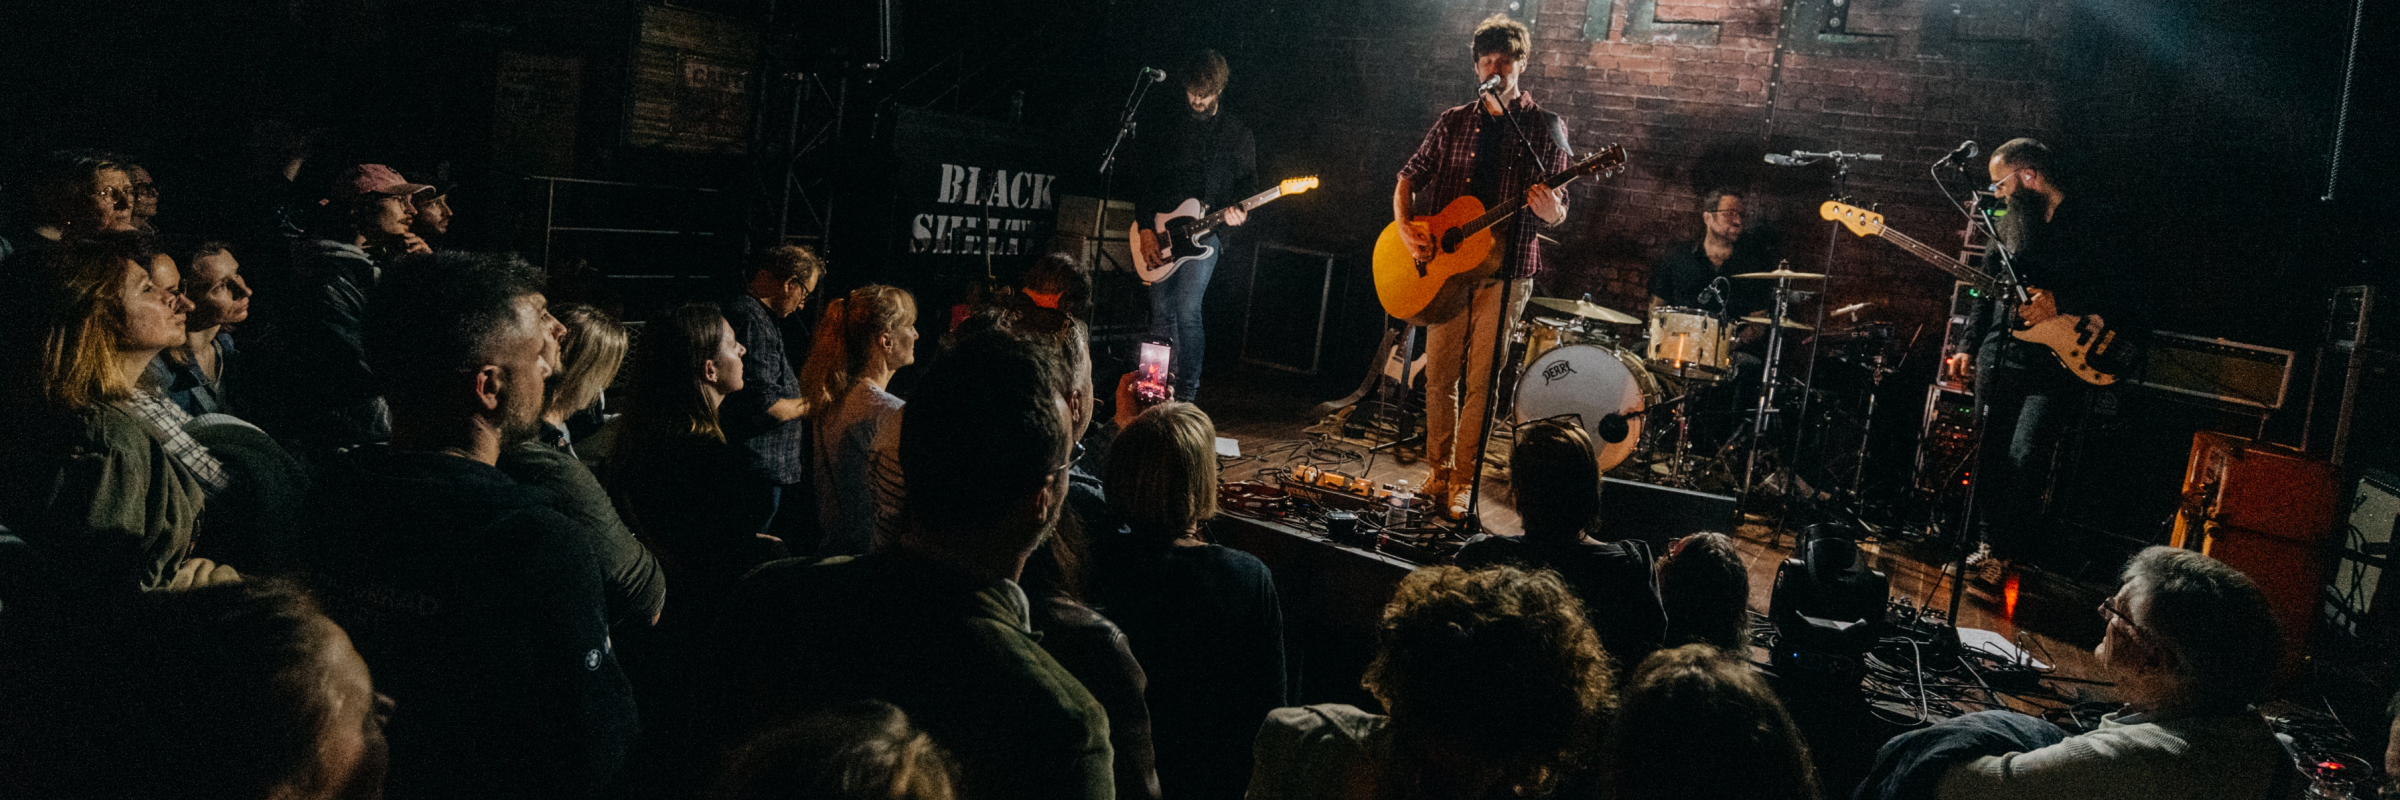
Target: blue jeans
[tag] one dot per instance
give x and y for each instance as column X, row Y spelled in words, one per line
column 1175, row 317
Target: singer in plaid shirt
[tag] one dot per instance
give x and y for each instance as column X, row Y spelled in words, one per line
column 1475, row 150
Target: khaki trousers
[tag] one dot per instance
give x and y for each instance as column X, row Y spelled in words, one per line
column 1470, row 333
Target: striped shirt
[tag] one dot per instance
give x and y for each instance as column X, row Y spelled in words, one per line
column 166, row 419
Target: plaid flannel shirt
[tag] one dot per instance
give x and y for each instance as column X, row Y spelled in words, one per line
column 1446, row 159
column 167, row 419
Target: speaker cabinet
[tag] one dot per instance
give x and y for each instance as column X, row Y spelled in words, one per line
column 2268, row 511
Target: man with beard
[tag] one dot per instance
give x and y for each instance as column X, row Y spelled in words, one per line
column 1202, row 152
column 480, row 610
column 2071, row 261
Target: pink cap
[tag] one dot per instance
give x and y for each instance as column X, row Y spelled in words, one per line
column 374, row 179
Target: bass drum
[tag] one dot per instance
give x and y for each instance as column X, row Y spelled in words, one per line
column 1593, row 383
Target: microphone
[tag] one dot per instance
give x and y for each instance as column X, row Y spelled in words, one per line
column 1958, row 158
column 1490, row 85
column 1781, row 160
column 1154, row 74
column 1712, row 295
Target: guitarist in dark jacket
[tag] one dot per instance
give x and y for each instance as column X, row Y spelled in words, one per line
column 1473, row 149
column 1200, row 152
column 2071, row 258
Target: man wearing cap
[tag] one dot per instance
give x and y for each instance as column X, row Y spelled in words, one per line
column 327, row 399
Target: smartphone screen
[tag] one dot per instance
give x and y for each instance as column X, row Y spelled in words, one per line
column 1150, row 373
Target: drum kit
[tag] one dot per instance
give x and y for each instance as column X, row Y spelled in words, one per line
column 1684, row 397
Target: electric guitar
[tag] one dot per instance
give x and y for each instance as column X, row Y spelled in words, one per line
column 1173, row 239
column 1434, row 289
column 2084, row 345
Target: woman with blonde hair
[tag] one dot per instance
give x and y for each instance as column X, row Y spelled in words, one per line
column 105, row 493
column 864, row 338
column 589, row 354
column 1204, row 619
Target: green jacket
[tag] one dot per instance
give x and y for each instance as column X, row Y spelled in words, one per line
column 635, row 584
column 99, row 499
column 955, row 652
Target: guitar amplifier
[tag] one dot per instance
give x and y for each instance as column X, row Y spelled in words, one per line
column 2268, row 511
column 2216, row 369
column 2358, row 600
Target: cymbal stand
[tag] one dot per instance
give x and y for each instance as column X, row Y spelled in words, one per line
column 1770, row 374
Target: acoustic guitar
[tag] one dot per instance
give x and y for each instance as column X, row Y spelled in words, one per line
column 1434, row 289
column 2084, row 345
column 1173, row 239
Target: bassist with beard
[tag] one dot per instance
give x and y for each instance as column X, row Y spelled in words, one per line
column 2071, row 257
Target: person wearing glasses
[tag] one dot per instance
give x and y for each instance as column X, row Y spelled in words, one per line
column 145, row 198
column 1699, row 274
column 71, row 194
column 2190, row 645
column 2072, row 260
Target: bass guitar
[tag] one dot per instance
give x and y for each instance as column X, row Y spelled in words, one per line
column 1173, row 239
column 1434, row 289
column 2084, row 345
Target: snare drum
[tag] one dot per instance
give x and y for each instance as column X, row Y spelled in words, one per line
column 1688, row 339
column 1593, row 383
column 1542, row 335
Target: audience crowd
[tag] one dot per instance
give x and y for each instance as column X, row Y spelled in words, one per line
column 401, row 524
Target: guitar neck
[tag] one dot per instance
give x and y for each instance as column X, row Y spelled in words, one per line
column 1955, row 267
column 1262, row 198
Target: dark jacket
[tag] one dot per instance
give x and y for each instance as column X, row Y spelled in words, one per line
column 686, row 498
column 636, row 584
column 1614, row 580
column 97, row 495
column 1095, row 651
column 954, row 651
column 318, row 391
column 482, row 613
column 1207, row 625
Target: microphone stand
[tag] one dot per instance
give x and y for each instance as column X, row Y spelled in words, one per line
column 2001, row 312
column 1126, row 125
column 1472, row 522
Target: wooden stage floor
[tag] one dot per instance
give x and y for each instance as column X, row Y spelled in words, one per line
column 2049, row 616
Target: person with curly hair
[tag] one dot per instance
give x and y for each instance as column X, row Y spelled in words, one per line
column 1697, row 701
column 1493, row 683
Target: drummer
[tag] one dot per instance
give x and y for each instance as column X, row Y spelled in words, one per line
column 1696, row 274
column 1685, row 273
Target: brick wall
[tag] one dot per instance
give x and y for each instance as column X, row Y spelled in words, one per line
column 1699, row 90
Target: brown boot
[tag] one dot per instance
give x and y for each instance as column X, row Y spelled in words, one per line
column 1436, row 489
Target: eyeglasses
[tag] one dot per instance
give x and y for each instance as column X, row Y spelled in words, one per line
column 113, row 196
column 2109, row 608
column 1995, row 187
column 1074, row 457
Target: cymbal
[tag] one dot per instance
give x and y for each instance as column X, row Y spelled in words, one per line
column 1783, row 273
column 1786, row 323
column 1587, row 310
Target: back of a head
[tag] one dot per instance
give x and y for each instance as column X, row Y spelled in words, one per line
column 588, row 355
column 1499, row 662
column 1162, row 470
column 789, row 262
column 985, row 427
column 435, row 315
column 1706, row 590
column 663, row 378
column 1065, row 276
column 1555, row 478
column 215, row 692
column 865, row 750
column 2213, row 620
column 1696, row 723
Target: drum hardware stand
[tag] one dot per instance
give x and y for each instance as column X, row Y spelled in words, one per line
column 1770, row 376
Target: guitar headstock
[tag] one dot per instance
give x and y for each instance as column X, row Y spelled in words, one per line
column 1860, row 221
column 1298, row 185
column 1604, row 162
